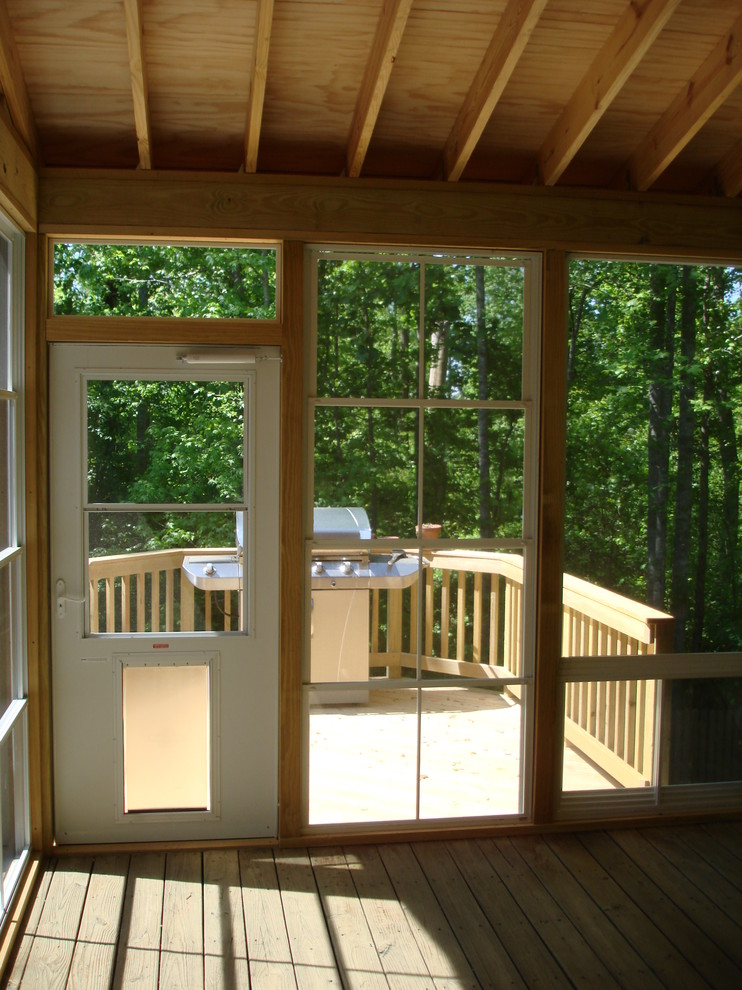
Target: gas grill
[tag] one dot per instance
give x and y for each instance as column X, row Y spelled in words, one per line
column 342, row 581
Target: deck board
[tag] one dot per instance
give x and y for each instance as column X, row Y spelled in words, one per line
column 650, row 908
column 614, row 903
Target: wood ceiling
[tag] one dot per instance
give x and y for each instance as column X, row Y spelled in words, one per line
column 643, row 95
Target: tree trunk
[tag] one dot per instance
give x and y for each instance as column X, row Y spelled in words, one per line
column 699, row 598
column 439, row 360
column 662, row 325
column 483, row 438
column 679, row 594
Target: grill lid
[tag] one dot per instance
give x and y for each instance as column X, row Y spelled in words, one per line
column 341, row 522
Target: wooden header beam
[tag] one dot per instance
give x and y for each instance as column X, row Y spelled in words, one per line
column 508, row 42
column 258, row 80
column 700, row 98
column 632, row 37
column 388, row 36
column 138, row 74
column 387, row 211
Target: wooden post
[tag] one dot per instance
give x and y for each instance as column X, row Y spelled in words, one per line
column 548, row 736
column 292, row 608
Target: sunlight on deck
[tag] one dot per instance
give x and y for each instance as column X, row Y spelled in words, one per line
column 362, row 757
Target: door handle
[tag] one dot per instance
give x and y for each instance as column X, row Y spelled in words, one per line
column 62, row 598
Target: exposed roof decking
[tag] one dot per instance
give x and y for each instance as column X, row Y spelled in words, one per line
column 415, row 75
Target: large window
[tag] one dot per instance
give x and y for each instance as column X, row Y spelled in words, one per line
column 14, row 826
column 420, row 536
column 652, row 526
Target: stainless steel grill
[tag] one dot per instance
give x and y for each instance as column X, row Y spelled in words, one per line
column 342, row 581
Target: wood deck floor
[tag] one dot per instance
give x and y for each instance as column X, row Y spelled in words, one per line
column 649, row 908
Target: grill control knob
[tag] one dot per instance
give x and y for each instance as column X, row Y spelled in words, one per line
column 318, row 568
column 346, row 567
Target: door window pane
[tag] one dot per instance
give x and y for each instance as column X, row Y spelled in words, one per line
column 165, row 571
column 167, row 738
column 6, row 472
column 165, row 441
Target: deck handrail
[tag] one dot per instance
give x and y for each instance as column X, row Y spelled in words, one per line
column 471, row 627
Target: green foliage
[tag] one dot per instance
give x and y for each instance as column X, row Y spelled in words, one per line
column 615, row 360
column 164, row 280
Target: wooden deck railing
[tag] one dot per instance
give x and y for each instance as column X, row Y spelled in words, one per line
column 149, row 592
column 471, row 627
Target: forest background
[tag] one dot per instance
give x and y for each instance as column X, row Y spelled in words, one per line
column 654, row 363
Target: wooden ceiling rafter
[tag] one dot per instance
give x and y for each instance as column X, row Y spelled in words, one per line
column 13, row 85
column 700, row 98
column 258, row 79
column 389, row 31
column 630, row 40
column 727, row 177
column 511, row 36
column 139, row 86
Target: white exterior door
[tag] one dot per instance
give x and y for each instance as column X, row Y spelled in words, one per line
column 165, row 582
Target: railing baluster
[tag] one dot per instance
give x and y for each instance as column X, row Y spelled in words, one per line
column 155, row 600
column 207, row 610
column 413, row 618
column 429, row 611
column 110, row 605
column 494, row 618
column 140, row 602
column 375, row 620
column 94, row 605
column 125, row 603
column 461, row 615
column 169, row 600
column 477, row 619
column 445, row 608
column 186, row 604
column 394, row 620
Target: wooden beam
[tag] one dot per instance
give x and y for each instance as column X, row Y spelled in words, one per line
column 265, row 207
column 388, row 36
column 263, row 27
column 511, row 37
column 628, row 43
column 727, row 176
column 18, row 185
column 138, row 74
column 14, row 86
column 716, row 79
